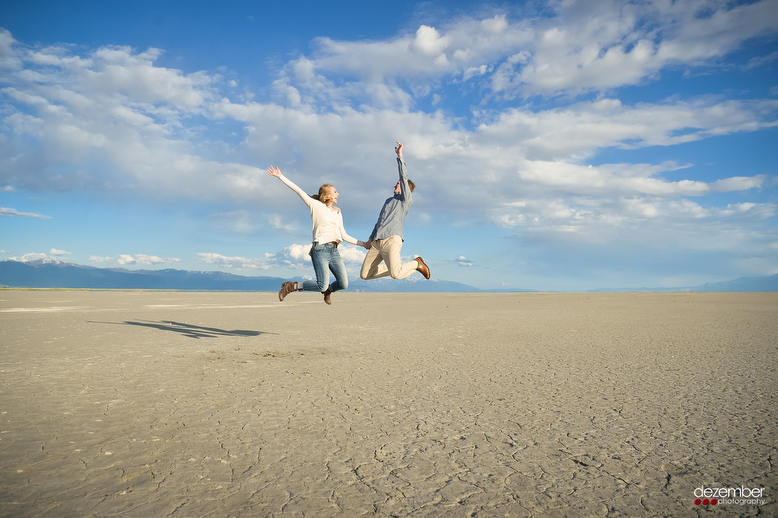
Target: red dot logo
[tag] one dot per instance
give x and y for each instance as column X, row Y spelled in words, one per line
column 705, row 501
column 697, row 501
column 714, row 501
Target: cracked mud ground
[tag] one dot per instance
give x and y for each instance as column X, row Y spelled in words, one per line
column 141, row 404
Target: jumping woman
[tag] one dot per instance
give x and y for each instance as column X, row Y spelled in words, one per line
column 328, row 232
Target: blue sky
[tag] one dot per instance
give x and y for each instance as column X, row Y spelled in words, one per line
column 561, row 145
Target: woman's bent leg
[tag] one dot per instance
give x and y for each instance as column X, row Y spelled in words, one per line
column 320, row 259
column 338, row 269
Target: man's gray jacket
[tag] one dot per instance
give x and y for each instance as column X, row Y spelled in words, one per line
column 390, row 220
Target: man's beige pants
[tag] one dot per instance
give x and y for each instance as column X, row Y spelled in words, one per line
column 386, row 251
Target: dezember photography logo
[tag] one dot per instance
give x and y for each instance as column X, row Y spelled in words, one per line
column 729, row 495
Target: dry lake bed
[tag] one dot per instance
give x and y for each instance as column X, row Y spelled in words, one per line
column 208, row 404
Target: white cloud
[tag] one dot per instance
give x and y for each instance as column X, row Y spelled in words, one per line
column 293, row 256
column 475, row 71
column 228, row 262
column 13, row 213
column 580, row 129
column 153, row 259
column 429, row 41
column 99, row 259
column 352, row 254
column 111, row 119
column 9, row 59
column 58, row 253
column 26, row 258
column 146, row 259
column 640, row 222
column 463, row 261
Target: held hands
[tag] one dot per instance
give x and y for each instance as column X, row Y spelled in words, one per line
column 368, row 244
column 274, row 171
column 398, row 149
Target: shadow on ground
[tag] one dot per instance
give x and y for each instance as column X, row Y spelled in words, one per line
column 190, row 330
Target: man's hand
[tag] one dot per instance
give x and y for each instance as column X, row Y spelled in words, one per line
column 368, row 244
column 399, row 149
column 274, row 171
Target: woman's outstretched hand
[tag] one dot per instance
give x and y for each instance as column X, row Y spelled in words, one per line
column 399, row 149
column 274, row 171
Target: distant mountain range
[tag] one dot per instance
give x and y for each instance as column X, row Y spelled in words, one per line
column 47, row 273
column 750, row 284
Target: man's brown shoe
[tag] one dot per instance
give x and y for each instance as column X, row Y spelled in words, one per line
column 327, row 295
column 423, row 268
column 286, row 289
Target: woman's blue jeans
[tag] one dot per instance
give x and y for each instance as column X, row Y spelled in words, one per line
column 326, row 258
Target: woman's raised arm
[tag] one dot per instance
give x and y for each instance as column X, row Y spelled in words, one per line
column 274, row 171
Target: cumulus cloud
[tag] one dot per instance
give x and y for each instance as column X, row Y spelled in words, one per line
column 428, row 41
column 228, row 262
column 34, row 256
column 352, row 255
column 126, row 259
column 293, row 256
column 145, row 259
column 58, row 253
column 111, row 119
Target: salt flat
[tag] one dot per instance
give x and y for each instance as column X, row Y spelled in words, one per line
column 150, row 404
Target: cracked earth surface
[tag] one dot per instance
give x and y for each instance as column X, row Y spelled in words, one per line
column 178, row 404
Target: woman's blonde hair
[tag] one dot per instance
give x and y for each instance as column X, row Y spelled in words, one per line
column 324, row 193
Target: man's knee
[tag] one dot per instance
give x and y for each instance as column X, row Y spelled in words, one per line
column 343, row 283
